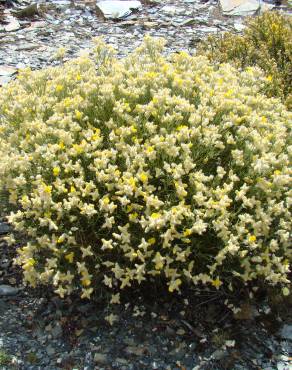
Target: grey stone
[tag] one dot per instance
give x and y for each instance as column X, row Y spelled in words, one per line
column 56, row 331
column 7, row 290
column 286, row 332
column 121, row 361
column 137, row 351
column 4, row 228
column 219, row 354
column 50, row 350
column 27, row 46
column 100, row 358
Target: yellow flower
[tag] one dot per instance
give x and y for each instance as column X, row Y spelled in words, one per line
column 187, row 232
column 277, row 173
column 174, row 285
column 165, row 68
column 94, row 137
column 184, row 54
column 133, row 216
column 150, row 75
column 56, row 171
column 159, row 261
column 228, row 93
column 252, row 238
column 61, row 145
column 151, row 241
column 149, row 149
column 132, row 182
column 155, row 215
column 269, row 78
column 47, row 189
column 181, row 127
column 31, row 262
column 106, row 200
column 60, row 239
column 217, row 283
column 143, row 177
column 78, row 148
column 69, row 257
column 85, row 281
column 178, row 81
column 59, row 88
column 78, row 114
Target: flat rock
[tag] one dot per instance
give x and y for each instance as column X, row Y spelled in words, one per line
column 286, row 332
column 172, row 10
column 4, row 228
column 6, row 71
column 219, row 354
column 239, row 7
column 26, row 46
column 7, row 290
column 50, row 350
column 13, row 25
column 118, row 9
column 56, row 331
column 137, row 351
column 100, row 358
column 4, row 80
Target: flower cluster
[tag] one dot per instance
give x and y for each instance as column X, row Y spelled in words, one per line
column 266, row 42
column 148, row 167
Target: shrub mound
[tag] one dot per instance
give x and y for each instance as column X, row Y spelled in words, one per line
column 147, row 169
column 266, row 42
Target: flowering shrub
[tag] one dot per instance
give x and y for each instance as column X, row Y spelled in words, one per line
column 145, row 168
column 266, row 42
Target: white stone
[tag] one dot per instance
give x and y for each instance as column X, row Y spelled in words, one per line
column 172, row 10
column 13, row 25
column 240, row 7
column 118, row 9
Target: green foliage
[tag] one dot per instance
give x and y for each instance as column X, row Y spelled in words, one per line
column 266, row 42
column 5, row 358
column 169, row 169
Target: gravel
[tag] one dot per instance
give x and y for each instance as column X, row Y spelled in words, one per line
column 38, row 330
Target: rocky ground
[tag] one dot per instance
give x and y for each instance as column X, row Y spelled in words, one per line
column 39, row 331
column 31, row 31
